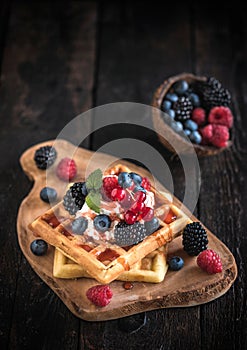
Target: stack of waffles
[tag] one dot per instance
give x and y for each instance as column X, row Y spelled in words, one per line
column 78, row 255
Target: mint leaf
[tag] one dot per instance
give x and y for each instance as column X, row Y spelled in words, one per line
column 93, row 201
column 94, row 180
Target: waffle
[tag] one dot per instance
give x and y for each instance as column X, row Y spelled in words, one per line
column 150, row 269
column 54, row 227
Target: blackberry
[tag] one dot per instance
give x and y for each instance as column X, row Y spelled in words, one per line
column 74, row 198
column 214, row 94
column 45, row 156
column 125, row 234
column 183, row 108
column 194, row 238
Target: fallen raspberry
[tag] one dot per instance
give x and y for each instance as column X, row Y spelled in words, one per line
column 199, row 116
column 209, row 261
column 207, row 133
column 146, row 184
column 221, row 115
column 100, row 295
column 66, row 169
column 109, row 184
column 220, row 135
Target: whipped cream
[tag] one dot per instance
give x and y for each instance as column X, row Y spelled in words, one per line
column 112, row 209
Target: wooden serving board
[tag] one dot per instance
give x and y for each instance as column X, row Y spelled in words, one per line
column 187, row 287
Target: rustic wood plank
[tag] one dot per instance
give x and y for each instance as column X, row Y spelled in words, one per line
column 223, row 197
column 4, row 18
column 47, row 78
column 49, row 65
column 143, row 42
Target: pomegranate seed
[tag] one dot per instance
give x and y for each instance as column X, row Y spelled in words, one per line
column 140, row 196
column 137, row 207
column 130, row 217
column 147, row 214
column 118, row 194
column 127, row 202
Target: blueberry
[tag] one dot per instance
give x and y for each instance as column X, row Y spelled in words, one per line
column 166, row 104
column 195, row 99
column 180, row 87
column 167, row 119
column 171, row 113
column 39, row 247
column 195, row 137
column 84, row 189
column 102, row 222
column 191, row 125
column 172, row 97
column 48, row 194
column 79, row 225
column 152, row 226
column 124, row 180
column 176, row 263
column 187, row 132
column 177, row 126
column 136, row 178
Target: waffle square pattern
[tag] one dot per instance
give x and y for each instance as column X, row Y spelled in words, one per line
column 76, row 256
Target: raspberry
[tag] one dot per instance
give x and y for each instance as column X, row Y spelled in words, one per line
column 66, row 169
column 146, row 184
column 109, row 184
column 99, row 295
column 209, row 261
column 207, row 133
column 221, row 115
column 199, row 116
column 220, row 135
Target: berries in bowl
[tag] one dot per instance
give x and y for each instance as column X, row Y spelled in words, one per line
column 195, row 110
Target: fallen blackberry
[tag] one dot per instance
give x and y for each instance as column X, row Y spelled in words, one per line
column 194, row 238
column 45, row 156
column 125, row 234
column 74, row 198
column 214, row 94
column 183, row 108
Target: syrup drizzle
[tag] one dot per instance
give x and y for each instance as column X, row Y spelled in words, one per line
column 54, row 220
column 86, row 247
column 66, row 233
column 107, row 255
column 124, row 263
column 128, row 285
column 170, row 217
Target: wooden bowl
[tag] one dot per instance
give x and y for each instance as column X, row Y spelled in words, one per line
column 173, row 141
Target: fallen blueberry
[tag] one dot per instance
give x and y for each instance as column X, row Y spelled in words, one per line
column 176, row 263
column 48, row 194
column 39, row 247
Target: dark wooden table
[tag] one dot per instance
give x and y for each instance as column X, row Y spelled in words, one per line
column 59, row 59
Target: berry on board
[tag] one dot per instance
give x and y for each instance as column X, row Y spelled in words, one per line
column 209, row 261
column 99, row 295
column 66, row 169
column 176, row 263
column 39, row 247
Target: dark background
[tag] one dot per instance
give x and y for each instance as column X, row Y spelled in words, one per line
column 58, row 59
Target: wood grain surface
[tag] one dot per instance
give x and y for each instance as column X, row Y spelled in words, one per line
column 190, row 286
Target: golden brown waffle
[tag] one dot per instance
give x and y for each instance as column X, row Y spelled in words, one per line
column 150, row 269
column 53, row 227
